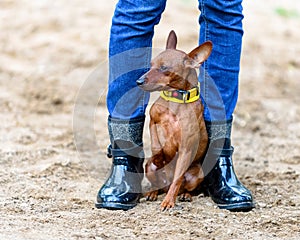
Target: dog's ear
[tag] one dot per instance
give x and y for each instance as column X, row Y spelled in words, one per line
column 201, row 53
column 172, row 40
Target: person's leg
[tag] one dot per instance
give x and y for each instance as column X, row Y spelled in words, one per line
column 129, row 57
column 221, row 22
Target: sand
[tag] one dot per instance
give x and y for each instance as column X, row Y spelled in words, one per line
column 53, row 137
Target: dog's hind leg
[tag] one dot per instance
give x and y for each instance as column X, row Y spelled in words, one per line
column 154, row 164
column 192, row 179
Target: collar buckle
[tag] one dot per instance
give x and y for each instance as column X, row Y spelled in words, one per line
column 185, row 95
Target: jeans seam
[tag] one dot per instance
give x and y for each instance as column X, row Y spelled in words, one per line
column 206, row 37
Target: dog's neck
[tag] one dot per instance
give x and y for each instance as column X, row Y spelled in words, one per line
column 189, row 85
column 191, row 81
column 186, row 88
column 182, row 96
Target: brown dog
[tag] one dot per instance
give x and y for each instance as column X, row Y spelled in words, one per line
column 178, row 133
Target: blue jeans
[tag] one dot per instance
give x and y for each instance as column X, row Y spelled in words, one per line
column 130, row 54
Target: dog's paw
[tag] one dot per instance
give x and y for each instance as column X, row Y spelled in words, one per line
column 167, row 204
column 151, row 196
column 185, row 197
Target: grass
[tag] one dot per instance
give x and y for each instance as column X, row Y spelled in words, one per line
column 287, row 13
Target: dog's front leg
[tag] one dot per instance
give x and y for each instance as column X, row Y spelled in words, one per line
column 183, row 163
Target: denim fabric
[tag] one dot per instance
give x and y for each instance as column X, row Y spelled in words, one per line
column 221, row 22
column 130, row 54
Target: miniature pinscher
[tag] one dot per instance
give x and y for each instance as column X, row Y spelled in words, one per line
column 178, row 133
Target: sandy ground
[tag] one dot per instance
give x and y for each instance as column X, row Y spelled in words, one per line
column 53, row 74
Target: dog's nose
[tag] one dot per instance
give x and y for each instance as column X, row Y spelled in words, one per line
column 140, row 81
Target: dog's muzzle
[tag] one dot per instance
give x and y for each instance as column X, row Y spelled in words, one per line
column 140, row 81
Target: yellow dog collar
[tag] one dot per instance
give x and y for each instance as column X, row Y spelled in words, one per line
column 182, row 96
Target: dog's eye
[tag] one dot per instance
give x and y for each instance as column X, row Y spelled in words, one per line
column 163, row 68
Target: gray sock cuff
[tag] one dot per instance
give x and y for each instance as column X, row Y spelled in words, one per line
column 127, row 130
column 218, row 130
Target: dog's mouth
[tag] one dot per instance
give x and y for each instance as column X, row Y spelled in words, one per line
column 153, row 87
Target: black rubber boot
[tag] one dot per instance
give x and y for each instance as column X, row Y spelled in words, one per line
column 222, row 183
column 122, row 189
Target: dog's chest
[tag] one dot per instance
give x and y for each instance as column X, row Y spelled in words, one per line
column 176, row 122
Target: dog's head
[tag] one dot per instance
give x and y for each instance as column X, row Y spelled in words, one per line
column 173, row 69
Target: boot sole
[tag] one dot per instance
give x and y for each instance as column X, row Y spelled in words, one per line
column 238, row 207
column 115, row 206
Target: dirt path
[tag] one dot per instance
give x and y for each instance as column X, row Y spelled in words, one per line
column 49, row 49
